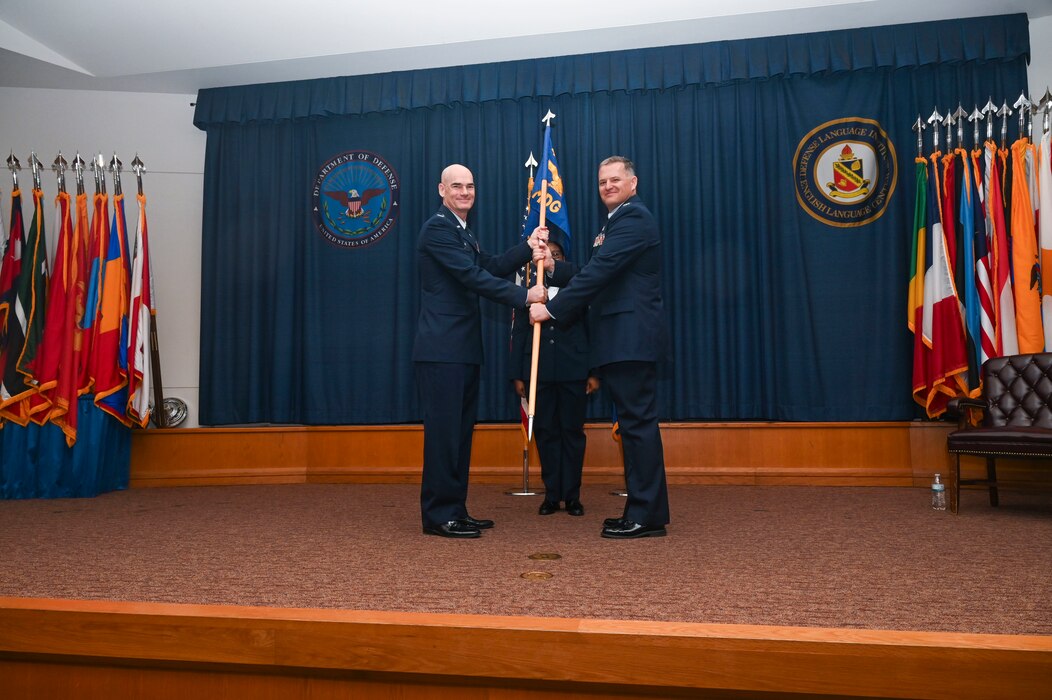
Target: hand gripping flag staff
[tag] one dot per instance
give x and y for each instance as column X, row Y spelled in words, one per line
column 549, row 205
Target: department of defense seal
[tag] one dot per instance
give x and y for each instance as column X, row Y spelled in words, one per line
column 355, row 199
column 845, row 172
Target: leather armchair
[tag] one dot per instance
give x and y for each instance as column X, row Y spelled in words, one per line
column 1016, row 405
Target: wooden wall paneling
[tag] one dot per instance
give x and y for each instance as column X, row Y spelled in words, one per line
column 848, row 454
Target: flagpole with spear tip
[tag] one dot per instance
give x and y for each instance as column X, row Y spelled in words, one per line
column 540, row 276
column 159, row 414
column 975, row 117
column 530, row 164
column 1004, row 113
column 59, row 166
column 14, row 166
column 1022, row 106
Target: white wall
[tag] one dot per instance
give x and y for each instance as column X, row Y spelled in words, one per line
column 1039, row 73
column 159, row 128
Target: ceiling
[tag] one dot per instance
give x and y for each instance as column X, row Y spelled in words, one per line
column 180, row 47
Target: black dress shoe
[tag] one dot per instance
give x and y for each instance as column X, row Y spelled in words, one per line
column 613, row 522
column 481, row 524
column 548, row 507
column 628, row 530
column 454, row 528
column 574, row 507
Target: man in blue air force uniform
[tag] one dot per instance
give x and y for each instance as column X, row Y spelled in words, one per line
column 447, row 351
column 622, row 282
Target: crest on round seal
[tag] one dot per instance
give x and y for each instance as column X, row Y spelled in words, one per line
column 845, row 172
column 355, row 199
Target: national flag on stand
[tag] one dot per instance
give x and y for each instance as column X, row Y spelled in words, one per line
column 983, row 263
column 12, row 333
column 968, row 269
column 1025, row 263
column 56, row 365
column 556, row 218
column 942, row 323
column 95, row 255
column 20, row 399
column 1044, row 224
column 108, row 361
column 916, row 297
column 141, row 313
column 1007, row 340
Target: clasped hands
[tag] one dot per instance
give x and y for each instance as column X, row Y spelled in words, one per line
column 537, row 296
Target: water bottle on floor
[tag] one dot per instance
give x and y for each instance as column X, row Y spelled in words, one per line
column 938, row 493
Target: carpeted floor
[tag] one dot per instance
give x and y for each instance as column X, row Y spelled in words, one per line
column 875, row 558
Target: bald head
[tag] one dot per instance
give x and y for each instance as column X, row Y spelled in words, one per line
column 457, row 189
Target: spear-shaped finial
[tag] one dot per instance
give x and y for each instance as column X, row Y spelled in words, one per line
column 115, row 168
column 98, row 168
column 1022, row 106
column 59, row 166
column 36, row 166
column 78, row 168
column 1004, row 113
column 139, row 167
column 919, row 126
column 935, row 120
column 989, row 111
column 531, row 163
column 975, row 117
column 948, row 121
column 547, row 118
column 14, row 166
column 1046, row 107
column 959, row 116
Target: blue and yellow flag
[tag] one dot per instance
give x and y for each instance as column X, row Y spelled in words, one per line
column 555, row 217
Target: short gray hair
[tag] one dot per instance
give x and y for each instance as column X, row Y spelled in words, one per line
column 630, row 167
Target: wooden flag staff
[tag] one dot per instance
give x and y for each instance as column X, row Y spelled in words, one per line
column 540, row 278
column 531, row 163
column 536, row 328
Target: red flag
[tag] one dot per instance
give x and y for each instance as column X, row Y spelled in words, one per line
column 1006, row 342
column 945, row 329
column 56, row 365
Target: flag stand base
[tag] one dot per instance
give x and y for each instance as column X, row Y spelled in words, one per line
column 526, row 491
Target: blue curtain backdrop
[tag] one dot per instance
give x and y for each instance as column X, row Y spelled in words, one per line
column 775, row 314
